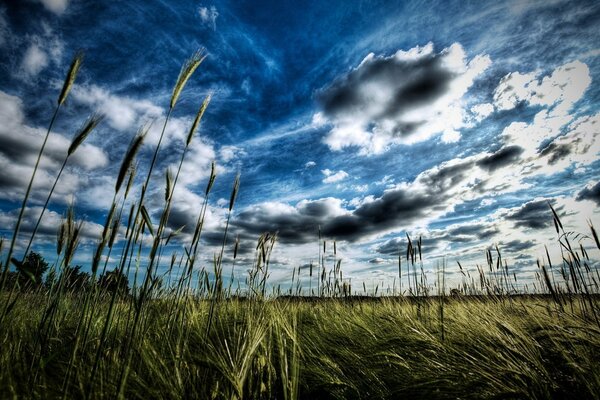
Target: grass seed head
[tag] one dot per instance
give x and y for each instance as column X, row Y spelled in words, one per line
column 186, row 72
column 147, row 220
column 71, row 75
column 198, row 119
column 211, row 179
column 135, row 145
column 234, row 191
column 85, row 130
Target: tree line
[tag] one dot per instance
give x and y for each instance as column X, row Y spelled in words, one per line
column 34, row 273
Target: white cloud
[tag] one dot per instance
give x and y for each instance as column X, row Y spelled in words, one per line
column 34, row 60
column 561, row 89
column 405, row 98
column 122, row 113
column 557, row 94
column 19, row 153
column 482, row 111
column 310, row 164
column 208, row 15
column 318, row 120
column 332, row 176
column 56, row 6
column 229, row 153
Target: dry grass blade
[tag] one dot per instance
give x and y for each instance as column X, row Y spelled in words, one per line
column 186, row 72
column 198, row 119
column 71, row 75
column 135, row 145
column 85, row 130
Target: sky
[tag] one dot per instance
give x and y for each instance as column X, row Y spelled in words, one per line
column 455, row 121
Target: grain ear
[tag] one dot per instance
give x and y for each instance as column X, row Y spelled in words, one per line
column 70, row 78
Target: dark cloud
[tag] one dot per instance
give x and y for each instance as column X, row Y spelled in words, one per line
column 534, row 214
column 468, row 233
column 502, row 158
column 413, row 83
column 590, row 193
column 557, row 151
column 397, row 207
column 516, row 246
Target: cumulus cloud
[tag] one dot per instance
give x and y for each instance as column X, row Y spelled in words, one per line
column 404, row 98
column 122, row 113
column 433, row 193
column 506, row 156
column 590, row 192
column 20, row 147
column 332, row 176
column 482, row 111
column 535, row 214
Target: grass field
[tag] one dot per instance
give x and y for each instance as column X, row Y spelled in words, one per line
column 523, row 347
column 182, row 331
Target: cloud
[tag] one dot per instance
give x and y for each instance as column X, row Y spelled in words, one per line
column 482, row 111
column 49, row 225
column 310, row 164
column 504, row 157
column 56, row 6
column 516, row 246
column 122, row 113
column 555, row 93
column 467, row 234
column 208, row 16
column 433, row 193
column 563, row 88
column 332, row 176
column 34, row 60
column 19, row 150
column 404, row 98
column 535, row 214
column 590, row 192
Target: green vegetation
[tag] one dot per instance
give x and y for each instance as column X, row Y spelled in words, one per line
column 286, row 349
column 188, row 333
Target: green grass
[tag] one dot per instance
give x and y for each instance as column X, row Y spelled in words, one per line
column 80, row 335
column 381, row 348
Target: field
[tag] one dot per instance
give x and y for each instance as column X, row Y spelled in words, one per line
column 524, row 347
column 180, row 330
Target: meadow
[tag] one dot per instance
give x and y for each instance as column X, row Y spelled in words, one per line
column 181, row 330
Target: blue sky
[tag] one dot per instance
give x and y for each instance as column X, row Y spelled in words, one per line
column 456, row 121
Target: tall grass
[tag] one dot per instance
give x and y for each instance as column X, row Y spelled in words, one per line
column 193, row 338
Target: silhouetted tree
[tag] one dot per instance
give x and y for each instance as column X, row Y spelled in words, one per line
column 112, row 281
column 30, row 273
column 75, row 280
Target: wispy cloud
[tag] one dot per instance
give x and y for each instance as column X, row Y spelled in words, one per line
column 209, row 15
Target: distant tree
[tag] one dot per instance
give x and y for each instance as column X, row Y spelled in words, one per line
column 113, row 281
column 30, row 273
column 75, row 280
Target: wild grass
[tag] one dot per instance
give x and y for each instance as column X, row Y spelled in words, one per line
column 185, row 333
